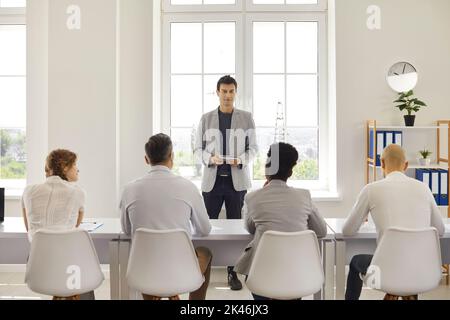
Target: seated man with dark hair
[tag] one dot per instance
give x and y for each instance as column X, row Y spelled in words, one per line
column 163, row 201
column 278, row 207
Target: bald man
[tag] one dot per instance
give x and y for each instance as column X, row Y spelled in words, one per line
column 396, row 201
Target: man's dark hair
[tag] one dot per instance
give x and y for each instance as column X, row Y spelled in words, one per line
column 158, row 148
column 226, row 80
column 288, row 157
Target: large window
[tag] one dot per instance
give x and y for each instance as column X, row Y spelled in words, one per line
column 12, row 95
column 279, row 60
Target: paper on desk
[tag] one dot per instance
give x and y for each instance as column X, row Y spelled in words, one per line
column 90, row 226
column 367, row 227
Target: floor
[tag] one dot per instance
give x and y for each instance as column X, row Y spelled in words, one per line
column 12, row 287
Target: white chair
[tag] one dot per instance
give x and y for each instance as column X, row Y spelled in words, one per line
column 63, row 264
column 406, row 263
column 286, row 266
column 163, row 264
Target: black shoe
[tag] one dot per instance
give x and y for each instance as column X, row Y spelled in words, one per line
column 233, row 281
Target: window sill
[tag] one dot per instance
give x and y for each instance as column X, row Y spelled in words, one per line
column 13, row 194
column 326, row 196
column 317, row 195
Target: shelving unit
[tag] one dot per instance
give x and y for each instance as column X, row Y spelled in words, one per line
column 442, row 159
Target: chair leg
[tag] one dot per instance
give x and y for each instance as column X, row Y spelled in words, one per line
column 446, row 273
column 150, row 298
column 390, row 297
column 411, row 298
column 447, row 277
column 155, row 298
column 72, row 298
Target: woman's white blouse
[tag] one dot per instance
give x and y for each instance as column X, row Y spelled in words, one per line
column 54, row 205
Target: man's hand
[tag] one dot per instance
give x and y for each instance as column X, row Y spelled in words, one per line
column 234, row 162
column 216, row 160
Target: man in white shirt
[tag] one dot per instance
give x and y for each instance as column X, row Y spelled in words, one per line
column 162, row 200
column 396, row 201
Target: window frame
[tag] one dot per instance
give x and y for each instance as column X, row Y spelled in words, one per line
column 322, row 5
column 325, row 187
column 323, row 125
column 166, row 66
column 173, row 8
column 13, row 16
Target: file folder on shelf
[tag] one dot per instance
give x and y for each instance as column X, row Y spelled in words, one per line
column 382, row 140
column 443, row 188
column 435, row 184
column 423, row 176
column 398, row 138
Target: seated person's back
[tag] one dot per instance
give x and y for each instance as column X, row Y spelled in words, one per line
column 58, row 203
column 163, row 201
column 278, row 207
column 396, row 201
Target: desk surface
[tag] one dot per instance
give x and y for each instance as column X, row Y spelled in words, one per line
column 15, row 228
column 222, row 230
column 367, row 230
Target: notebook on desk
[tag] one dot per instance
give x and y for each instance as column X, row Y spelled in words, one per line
column 90, row 226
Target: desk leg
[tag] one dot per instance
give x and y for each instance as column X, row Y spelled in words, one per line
column 124, row 253
column 327, row 250
column 340, row 269
column 319, row 295
column 328, row 265
column 114, row 276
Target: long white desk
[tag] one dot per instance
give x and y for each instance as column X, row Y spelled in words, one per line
column 14, row 245
column 227, row 241
column 364, row 242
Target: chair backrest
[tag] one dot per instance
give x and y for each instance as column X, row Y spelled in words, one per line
column 286, row 266
column 406, row 262
column 63, row 263
column 163, row 263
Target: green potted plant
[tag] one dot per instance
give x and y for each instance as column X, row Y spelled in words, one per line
column 425, row 160
column 407, row 102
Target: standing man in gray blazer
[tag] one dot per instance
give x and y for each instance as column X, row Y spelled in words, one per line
column 278, row 207
column 226, row 146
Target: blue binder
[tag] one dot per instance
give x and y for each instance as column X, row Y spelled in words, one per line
column 381, row 144
column 371, row 144
column 398, row 138
column 443, row 188
column 435, row 184
column 382, row 140
column 424, row 175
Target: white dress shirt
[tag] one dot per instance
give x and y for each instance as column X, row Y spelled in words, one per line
column 396, row 201
column 162, row 200
column 54, row 205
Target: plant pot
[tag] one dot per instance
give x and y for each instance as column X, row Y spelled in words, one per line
column 424, row 162
column 409, row 120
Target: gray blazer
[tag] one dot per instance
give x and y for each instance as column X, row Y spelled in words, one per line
column 277, row 207
column 242, row 144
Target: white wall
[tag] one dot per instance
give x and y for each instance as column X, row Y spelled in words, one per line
column 82, row 91
column 417, row 31
column 82, row 96
column 136, row 86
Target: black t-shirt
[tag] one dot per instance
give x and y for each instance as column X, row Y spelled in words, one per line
column 224, row 126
